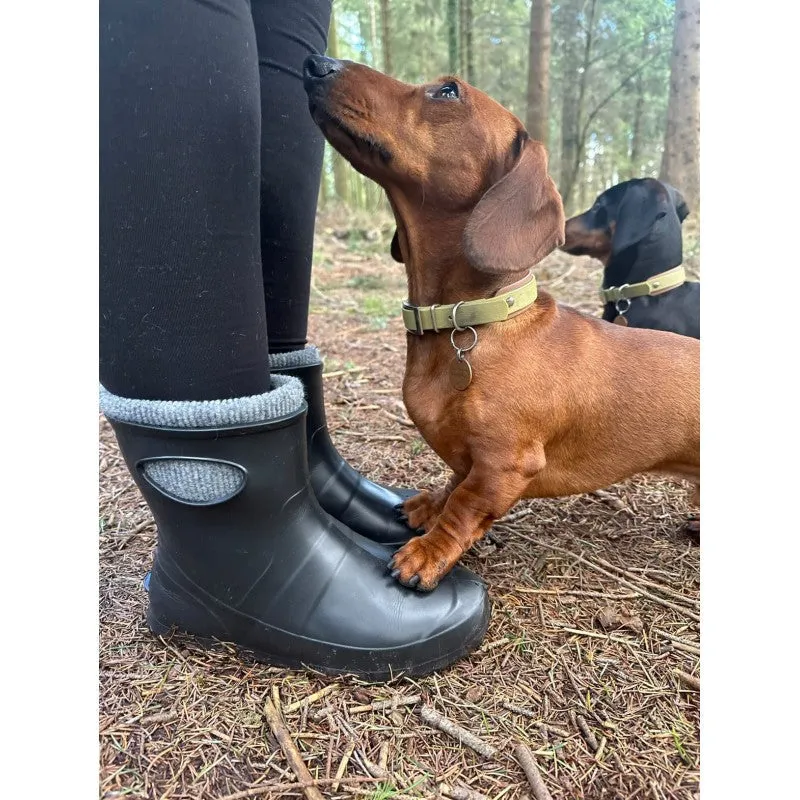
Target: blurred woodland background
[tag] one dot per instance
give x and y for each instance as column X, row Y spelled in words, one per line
column 610, row 86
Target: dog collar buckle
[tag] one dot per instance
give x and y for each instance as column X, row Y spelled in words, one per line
column 418, row 330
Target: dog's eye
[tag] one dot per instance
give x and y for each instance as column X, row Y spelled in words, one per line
column 447, row 92
column 601, row 217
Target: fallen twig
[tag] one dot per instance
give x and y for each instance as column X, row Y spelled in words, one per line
column 610, row 499
column 694, row 647
column 581, row 723
column 460, row 793
column 348, row 751
column 312, row 698
column 296, row 762
column 266, row 788
column 687, row 680
column 383, row 705
column 163, row 716
column 636, row 588
column 528, row 763
column 601, row 749
column 433, row 718
column 405, row 421
column 575, row 593
column 666, row 590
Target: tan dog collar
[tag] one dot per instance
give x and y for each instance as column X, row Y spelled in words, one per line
column 658, row 284
column 469, row 313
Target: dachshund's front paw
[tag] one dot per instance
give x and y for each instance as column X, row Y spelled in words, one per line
column 419, row 511
column 692, row 528
column 420, row 564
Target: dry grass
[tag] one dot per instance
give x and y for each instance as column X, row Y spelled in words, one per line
column 605, row 713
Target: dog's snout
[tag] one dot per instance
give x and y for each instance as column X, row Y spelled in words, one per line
column 317, row 67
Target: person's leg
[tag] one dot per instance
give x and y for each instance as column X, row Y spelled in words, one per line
column 291, row 161
column 181, row 307
column 292, row 145
column 214, row 443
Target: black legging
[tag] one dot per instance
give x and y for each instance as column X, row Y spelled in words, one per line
column 202, row 263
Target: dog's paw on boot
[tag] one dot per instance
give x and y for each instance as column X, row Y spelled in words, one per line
column 367, row 508
column 421, row 511
column 422, row 563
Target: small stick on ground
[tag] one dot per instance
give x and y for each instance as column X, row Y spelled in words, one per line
column 372, row 768
column 684, row 677
column 528, row 764
column 276, row 697
column 269, row 788
column 164, row 716
column 581, row 723
column 601, row 749
column 382, row 705
column 348, row 751
column 312, row 698
column 433, row 718
column 460, row 793
column 383, row 758
column 519, row 710
column 635, row 587
column 610, row 499
column 296, row 762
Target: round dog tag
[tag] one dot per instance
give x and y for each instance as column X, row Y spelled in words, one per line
column 621, row 320
column 460, row 374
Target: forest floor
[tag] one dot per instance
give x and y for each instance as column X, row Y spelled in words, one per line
column 607, row 714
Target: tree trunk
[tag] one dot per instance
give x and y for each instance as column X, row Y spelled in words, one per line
column 572, row 109
column 340, row 182
column 538, row 116
column 636, row 133
column 385, row 28
column 453, row 20
column 471, row 73
column 373, row 33
column 680, row 164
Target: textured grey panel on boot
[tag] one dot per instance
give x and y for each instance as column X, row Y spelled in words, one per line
column 203, row 481
column 295, row 358
column 195, row 481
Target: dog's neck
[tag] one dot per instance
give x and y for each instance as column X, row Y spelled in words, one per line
column 652, row 256
column 437, row 268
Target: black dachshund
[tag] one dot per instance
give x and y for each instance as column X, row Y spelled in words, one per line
column 634, row 228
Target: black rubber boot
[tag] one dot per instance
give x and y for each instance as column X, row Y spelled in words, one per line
column 262, row 566
column 371, row 509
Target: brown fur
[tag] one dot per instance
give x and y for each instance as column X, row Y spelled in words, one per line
column 581, row 241
column 560, row 403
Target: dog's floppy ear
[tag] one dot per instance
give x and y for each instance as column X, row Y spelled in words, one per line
column 519, row 220
column 681, row 206
column 394, row 248
column 644, row 203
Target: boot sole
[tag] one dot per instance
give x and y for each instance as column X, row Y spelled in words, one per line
column 164, row 629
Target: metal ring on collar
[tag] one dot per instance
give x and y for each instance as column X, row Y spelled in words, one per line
column 455, row 317
column 622, row 311
column 463, row 349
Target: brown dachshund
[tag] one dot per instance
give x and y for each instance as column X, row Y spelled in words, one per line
column 549, row 402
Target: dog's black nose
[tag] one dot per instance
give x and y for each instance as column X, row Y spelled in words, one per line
column 321, row 67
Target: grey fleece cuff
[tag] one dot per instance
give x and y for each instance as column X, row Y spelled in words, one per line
column 285, row 397
column 205, row 482
column 295, row 358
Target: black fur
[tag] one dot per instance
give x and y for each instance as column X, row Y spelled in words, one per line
column 645, row 240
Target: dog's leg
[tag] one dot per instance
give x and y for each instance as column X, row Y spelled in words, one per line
column 423, row 509
column 692, row 527
column 475, row 504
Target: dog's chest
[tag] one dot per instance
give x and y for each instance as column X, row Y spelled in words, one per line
column 438, row 414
